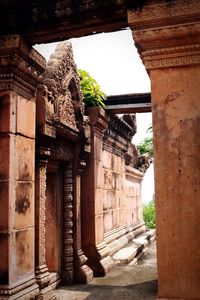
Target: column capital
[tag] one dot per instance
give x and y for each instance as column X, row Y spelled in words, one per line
column 167, row 34
column 20, row 66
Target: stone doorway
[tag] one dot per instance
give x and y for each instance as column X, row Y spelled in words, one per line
column 54, row 194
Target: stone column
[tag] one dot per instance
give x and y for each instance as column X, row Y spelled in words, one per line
column 41, row 270
column 83, row 273
column 167, row 35
column 91, row 198
column 20, row 69
column 68, row 246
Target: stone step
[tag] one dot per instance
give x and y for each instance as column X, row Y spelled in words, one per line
column 126, row 254
column 134, row 250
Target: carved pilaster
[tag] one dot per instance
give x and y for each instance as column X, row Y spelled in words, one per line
column 41, row 270
column 83, row 273
column 68, row 257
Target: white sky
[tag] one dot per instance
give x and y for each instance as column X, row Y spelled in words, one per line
column 112, row 60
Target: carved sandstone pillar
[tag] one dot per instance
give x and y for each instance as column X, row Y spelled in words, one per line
column 20, row 69
column 68, row 246
column 83, row 273
column 167, row 35
column 41, row 270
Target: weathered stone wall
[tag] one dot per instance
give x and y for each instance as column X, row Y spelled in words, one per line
column 111, row 190
column 121, row 192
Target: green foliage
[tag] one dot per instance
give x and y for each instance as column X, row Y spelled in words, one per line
column 146, row 146
column 149, row 214
column 92, row 93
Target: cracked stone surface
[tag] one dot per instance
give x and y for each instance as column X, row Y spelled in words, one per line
column 122, row 283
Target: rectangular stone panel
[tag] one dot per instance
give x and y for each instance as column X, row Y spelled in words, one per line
column 26, row 117
column 22, row 258
column 98, row 149
column 98, row 201
column 99, row 172
column 4, row 157
column 4, row 204
column 24, row 159
column 24, row 205
column 99, row 228
column 8, row 113
column 108, row 222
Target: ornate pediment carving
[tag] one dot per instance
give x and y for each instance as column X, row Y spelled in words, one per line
column 61, row 90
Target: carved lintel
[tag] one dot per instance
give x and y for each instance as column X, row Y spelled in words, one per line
column 167, row 34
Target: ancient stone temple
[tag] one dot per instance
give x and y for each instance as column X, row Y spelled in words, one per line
column 41, row 156
column 70, row 188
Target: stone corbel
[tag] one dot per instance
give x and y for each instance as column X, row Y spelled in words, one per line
column 164, row 34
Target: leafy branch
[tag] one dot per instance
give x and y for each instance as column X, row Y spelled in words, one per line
column 92, row 93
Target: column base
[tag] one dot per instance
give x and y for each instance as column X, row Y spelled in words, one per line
column 99, row 259
column 44, row 281
column 83, row 274
column 42, row 276
column 29, row 288
column 46, row 294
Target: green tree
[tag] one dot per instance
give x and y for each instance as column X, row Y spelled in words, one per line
column 149, row 214
column 92, row 93
column 146, row 146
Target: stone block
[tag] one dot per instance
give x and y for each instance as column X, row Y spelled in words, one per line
column 26, row 117
column 24, row 158
column 4, row 157
column 105, row 200
column 106, row 159
column 4, row 206
column 98, row 202
column 107, row 221
column 99, row 229
column 107, row 179
column 98, row 144
column 115, row 219
column 99, row 172
column 24, row 205
column 111, row 199
column 8, row 113
column 22, row 260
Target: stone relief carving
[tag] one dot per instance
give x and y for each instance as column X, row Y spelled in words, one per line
column 63, row 88
column 159, row 31
column 164, row 10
